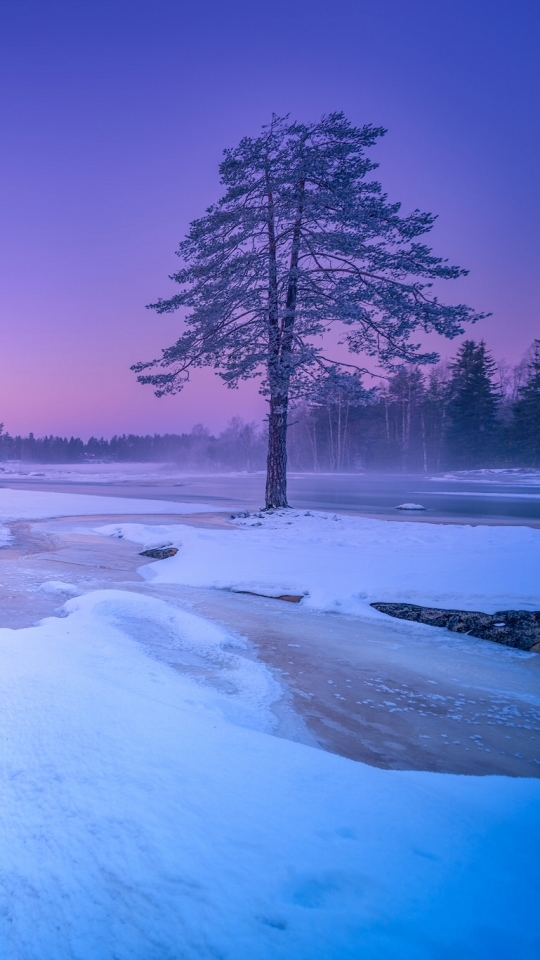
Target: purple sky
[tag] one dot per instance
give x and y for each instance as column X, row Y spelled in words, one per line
column 114, row 115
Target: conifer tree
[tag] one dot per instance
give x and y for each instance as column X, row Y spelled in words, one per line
column 302, row 241
column 526, row 414
column 472, row 407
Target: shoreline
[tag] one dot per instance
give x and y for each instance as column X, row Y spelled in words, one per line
column 396, row 696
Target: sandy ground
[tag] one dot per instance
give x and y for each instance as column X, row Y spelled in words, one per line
column 395, row 695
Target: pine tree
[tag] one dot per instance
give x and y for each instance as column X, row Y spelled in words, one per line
column 472, row 407
column 302, row 241
column 526, row 414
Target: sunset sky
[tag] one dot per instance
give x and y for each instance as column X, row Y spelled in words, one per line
column 114, row 115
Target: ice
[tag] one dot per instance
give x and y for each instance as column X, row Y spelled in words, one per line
column 35, row 505
column 59, row 588
column 410, row 506
column 497, row 475
column 90, row 472
column 5, row 535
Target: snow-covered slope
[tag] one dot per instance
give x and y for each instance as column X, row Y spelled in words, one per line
column 146, row 815
column 139, row 823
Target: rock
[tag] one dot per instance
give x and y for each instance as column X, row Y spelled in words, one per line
column 513, row 628
column 289, row 597
column 410, row 506
column 159, row 553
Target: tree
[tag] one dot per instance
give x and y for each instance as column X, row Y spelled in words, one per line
column 302, row 241
column 404, row 397
column 434, row 417
column 526, row 411
column 472, row 407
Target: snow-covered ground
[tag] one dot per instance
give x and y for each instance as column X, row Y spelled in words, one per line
column 519, row 475
column 139, row 820
column 341, row 564
column 37, row 505
column 148, row 817
column 93, row 471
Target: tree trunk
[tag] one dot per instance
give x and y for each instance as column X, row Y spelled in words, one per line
column 280, row 344
column 276, row 473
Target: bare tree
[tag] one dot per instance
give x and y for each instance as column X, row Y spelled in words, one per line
column 302, row 240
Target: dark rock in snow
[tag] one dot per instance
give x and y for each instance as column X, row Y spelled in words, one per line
column 159, row 553
column 514, row 628
column 289, row 597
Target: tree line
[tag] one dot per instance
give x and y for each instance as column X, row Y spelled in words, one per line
column 466, row 414
column 241, row 446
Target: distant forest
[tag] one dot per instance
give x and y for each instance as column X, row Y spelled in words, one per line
column 469, row 413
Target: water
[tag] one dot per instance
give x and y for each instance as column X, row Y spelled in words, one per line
column 476, row 499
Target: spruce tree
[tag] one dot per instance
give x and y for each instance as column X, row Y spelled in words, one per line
column 472, row 408
column 302, row 241
column 526, row 414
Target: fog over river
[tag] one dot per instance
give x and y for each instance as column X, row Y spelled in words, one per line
column 475, row 497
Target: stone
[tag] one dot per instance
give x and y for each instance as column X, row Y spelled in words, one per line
column 159, row 553
column 513, row 628
column 289, row 597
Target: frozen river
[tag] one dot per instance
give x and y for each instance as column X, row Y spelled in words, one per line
column 193, row 767
column 509, row 497
column 394, row 695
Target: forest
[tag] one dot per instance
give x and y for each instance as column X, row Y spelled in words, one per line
column 468, row 413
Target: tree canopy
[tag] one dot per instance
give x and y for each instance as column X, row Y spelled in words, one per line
column 303, row 240
column 473, row 405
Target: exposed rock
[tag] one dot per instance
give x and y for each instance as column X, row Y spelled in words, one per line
column 514, row 628
column 289, row 597
column 159, row 553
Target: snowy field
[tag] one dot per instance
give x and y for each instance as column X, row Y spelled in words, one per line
column 148, row 815
column 342, row 564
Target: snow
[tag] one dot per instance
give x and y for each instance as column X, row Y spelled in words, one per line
column 342, row 564
column 138, row 821
column 94, row 471
column 38, row 505
column 410, row 506
column 495, row 475
column 148, row 811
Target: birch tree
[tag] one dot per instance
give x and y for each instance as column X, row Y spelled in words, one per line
column 302, row 242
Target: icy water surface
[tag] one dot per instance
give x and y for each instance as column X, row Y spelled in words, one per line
column 510, row 498
column 396, row 695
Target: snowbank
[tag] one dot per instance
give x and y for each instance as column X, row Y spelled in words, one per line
column 38, row 505
column 139, row 822
column 342, row 564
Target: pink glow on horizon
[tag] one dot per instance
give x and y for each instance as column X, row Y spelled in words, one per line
column 114, row 130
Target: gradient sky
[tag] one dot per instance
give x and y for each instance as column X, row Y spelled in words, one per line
column 114, row 115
